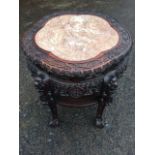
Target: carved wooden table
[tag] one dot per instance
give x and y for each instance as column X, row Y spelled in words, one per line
column 76, row 58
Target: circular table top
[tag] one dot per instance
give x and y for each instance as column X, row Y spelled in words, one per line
column 76, row 44
column 76, row 37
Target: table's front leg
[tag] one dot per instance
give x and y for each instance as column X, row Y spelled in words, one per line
column 108, row 86
column 42, row 83
column 47, row 95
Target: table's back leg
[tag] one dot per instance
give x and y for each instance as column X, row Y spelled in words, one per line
column 101, row 106
column 53, row 106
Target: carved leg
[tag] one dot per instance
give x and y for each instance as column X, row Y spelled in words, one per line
column 53, row 107
column 108, row 86
column 43, row 85
column 46, row 95
column 101, row 105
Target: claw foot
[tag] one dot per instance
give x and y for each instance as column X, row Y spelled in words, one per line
column 99, row 123
column 54, row 123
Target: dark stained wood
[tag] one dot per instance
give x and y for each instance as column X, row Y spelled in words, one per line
column 65, row 81
column 73, row 69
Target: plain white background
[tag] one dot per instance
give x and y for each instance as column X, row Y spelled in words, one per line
column 145, row 77
column 9, row 77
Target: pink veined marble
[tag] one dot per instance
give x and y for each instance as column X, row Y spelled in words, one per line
column 76, row 37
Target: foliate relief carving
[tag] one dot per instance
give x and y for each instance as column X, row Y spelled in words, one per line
column 49, row 85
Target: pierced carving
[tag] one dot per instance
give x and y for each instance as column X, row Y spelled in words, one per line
column 103, row 87
column 96, row 77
